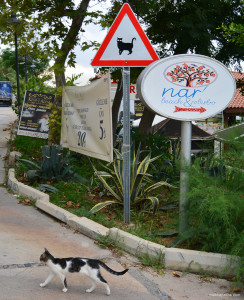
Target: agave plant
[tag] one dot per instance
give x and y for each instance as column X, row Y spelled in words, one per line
column 54, row 165
column 141, row 185
column 168, row 167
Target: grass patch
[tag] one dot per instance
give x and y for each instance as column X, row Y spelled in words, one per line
column 107, row 242
column 156, row 263
column 29, row 147
column 74, row 198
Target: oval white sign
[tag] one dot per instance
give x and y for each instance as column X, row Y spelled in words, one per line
column 186, row 87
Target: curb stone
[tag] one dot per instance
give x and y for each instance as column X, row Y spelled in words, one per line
column 13, row 156
column 87, row 227
column 199, row 261
column 135, row 245
column 23, row 189
column 172, row 258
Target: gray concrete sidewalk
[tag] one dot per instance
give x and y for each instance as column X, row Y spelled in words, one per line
column 24, row 234
column 7, row 116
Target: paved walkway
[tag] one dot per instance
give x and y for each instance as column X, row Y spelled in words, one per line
column 7, row 116
column 25, row 231
column 24, row 234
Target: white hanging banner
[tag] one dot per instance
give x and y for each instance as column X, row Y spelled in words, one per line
column 87, row 119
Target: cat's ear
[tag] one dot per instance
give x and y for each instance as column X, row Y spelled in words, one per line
column 46, row 250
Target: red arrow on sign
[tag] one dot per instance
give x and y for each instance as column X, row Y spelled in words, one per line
column 201, row 109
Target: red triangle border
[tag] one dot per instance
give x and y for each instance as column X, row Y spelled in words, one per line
column 126, row 9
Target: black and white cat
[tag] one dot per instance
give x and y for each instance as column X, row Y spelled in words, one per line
column 86, row 266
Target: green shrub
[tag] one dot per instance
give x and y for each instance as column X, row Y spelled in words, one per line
column 168, row 150
column 141, row 186
column 54, row 165
column 216, row 210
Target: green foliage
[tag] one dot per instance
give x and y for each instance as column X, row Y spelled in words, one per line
column 197, row 26
column 28, row 145
column 6, row 71
column 235, row 32
column 166, row 168
column 55, row 123
column 39, row 84
column 156, row 262
column 170, row 205
column 45, row 28
column 141, row 186
column 56, row 112
column 92, row 44
column 47, row 188
column 216, row 210
column 70, row 81
column 54, row 165
column 34, row 65
column 36, row 79
column 211, row 166
column 108, row 242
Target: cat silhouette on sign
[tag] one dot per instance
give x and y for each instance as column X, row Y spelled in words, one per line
column 125, row 46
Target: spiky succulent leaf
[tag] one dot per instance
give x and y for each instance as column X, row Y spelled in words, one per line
column 29, row 163
column 101, row 205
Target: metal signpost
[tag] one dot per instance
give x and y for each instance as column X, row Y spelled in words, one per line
column 126, row 142
column 186, row 132
column 126, row 45
column 186, row 88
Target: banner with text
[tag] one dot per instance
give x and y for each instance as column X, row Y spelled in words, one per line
column 35, row 114
column 87, row 119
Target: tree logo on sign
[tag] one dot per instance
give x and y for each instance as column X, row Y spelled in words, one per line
column 190, row 74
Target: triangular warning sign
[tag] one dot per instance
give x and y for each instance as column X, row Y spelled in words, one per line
column 126, row 44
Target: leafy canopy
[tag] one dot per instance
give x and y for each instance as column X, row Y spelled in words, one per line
column 47, row 28
column 189, row 26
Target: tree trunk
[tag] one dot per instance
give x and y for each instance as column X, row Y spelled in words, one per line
column 115, row 109
column 68, row 44
column 60, row 82
column 146, row 121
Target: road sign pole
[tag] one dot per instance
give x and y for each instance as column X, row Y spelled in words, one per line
column 126, row 142
column 186, row 133
column 139, row 53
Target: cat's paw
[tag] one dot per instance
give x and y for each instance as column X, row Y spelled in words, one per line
column 42, row 284
column 108, row 293
column 89, row 290
column 64, row 290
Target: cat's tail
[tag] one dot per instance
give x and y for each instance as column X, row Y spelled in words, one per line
column 112, row 271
